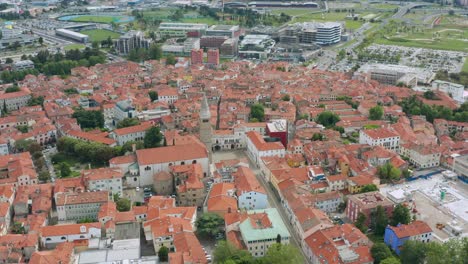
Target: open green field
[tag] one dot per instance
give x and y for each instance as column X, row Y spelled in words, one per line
column 100, row 34
column 449, row 35
column 465, row 66
column 384, row 6
column 329, row 17
column 74, row 46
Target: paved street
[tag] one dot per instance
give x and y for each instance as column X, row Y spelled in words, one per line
column 272, row 198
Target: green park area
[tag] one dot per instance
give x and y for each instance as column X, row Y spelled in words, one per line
column 329, row 17
column 465, row 66
column 384, row 6
column 100, row 34
column 449, row 34
column 74, row 46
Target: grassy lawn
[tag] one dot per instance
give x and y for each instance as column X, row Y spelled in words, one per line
column 97, row 19
column 330, row 17
column 440, row 37
column 100, row 34
column 384, row 6
column 162, row 13
column 74, row 46
column 465, row 66
column 200, row 20
column 292, row 11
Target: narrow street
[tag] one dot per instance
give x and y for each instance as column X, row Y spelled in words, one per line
column 272, row 197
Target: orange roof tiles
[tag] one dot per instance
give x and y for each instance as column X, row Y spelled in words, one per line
column 171, row 154
column 413, row 229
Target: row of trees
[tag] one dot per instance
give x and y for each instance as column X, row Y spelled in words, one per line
column 86, row 152
column 56, row 64
column 89, row 118
column 227, row 253
column 379, row 219
column 154, row 52
column 453, row 251
column 413, row 106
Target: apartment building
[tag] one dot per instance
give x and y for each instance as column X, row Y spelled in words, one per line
column 366, row 203
column 132, row 133
column 258, row 148
column 77, row 206
column 420, row 155
column 380, row 137
column 103, row 179
column 15, row 100
column 51, row 236
column 396, row 236
column 131, row 40
column 182, row 29
column 250, row 194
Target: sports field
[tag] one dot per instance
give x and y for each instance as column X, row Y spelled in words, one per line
column 100, row 34
column 106, row 19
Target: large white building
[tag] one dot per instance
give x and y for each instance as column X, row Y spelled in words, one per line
column 77, row 206
column 181, row 29
column 328, row 33
column 250, row 194
column 421, row 156
column 257, row 148
column 15, row 100
column 132, row 133
column 380, row 137
column 456, row 91
column 103, row 179
column 52, row 235
column 154, row 160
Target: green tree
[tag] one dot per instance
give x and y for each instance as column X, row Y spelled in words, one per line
column 413, row 252
column 430, row 95
column 86, row 220
column 381, row 221
column 44, row 176
column 257, row 111
column 123, row 205
column 400, row 215
column 390, row 260
column 209, row 224
column 163, row 253
column 380, row 251
column 89, row 119
column 152, row 138
column 286, row 98
column 65, row 170
column 317, row 136
column 128, row 122
column 17, row 228
column 361, row 222
column 376, row 112
column 225, row 252
column 9, row 60
column 153, row 95
column 41, row 40
column 170, row 60
column 283, row 254
column 22, row 128
column 155, row 52
column 12, row 89
column 388, row 173
column 328, row 119
column 369, row 188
